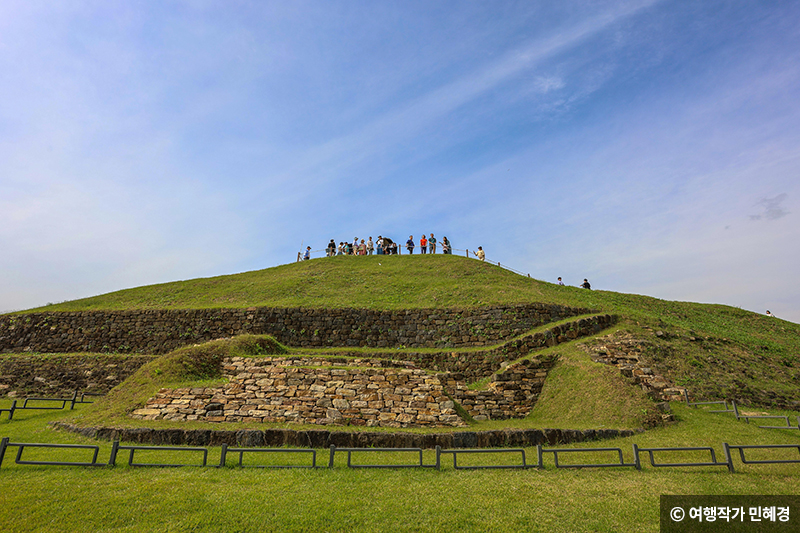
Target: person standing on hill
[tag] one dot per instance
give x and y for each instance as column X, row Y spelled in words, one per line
column 410, row 245
column 307, row 255
column 370, row 246
column 379, row 244
column 480, row 254
column 446, row 246
column 586, row 284
column 432, row 244
column 423, row 244
column 331, row 248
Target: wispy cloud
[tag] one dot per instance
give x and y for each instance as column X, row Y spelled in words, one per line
column 771, row 208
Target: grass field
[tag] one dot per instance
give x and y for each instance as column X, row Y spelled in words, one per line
column 40, row 498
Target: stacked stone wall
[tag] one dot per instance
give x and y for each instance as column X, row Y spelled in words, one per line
column 324, row 438
column 160, row 331
column 477, row 364
column 60, row 375
column 358, row 392
column 300, row 390
column 627, row 353
column 510, row 394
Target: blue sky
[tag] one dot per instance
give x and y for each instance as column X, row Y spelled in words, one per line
column 651, row 147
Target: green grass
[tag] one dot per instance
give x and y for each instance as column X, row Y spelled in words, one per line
column 372, row 282
column 78, row 499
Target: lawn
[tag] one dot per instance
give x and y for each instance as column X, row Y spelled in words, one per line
column 123, row 498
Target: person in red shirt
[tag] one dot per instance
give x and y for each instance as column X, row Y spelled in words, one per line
column 423, row 244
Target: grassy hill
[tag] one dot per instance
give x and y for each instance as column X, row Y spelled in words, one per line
column 718, row 351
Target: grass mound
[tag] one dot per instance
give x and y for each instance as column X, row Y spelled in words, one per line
column 203, row 361
column 717, row 351
column 191, row 366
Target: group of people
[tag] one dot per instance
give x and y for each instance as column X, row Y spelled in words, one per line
column 584, row 285
column 383, row 246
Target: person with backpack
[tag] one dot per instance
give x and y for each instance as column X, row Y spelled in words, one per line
column 586, row 284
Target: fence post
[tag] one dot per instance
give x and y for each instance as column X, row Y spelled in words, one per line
column 13, row 408
column 467, row 252
column 736, row 412
column 330, row 460
column 728, row 458
column 223, row 455
column 3, row 446
column 112, row 459
column 438, row 457
column 74, row 398
column 636, row 463
column 539, row 454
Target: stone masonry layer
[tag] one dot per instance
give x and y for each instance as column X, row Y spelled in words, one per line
column 357, row 392
column 509, row 394
column 324, row 438
column 301, row 390
column 59, row 375
column 478, row 364
column 279, row 389
column 160, row 331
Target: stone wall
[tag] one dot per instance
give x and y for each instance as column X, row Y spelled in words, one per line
column 625, row 352
column 160, row 331
column 301, row 390
column 60, row 375
column 477, row 364
column 324, row 438
column 312, row 390
column 510, row 394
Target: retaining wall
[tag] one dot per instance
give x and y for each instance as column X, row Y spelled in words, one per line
column 160, row 331
column 477, row 364
column 322, row 438
column 60, row 375
column 301, row 390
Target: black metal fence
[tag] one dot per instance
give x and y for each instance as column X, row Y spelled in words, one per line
column 601, row 454
column 734, row 410
column 35, row 404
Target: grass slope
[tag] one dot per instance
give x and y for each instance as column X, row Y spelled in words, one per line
column 718, row 351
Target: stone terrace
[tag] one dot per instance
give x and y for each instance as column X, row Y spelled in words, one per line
column 302, row 390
